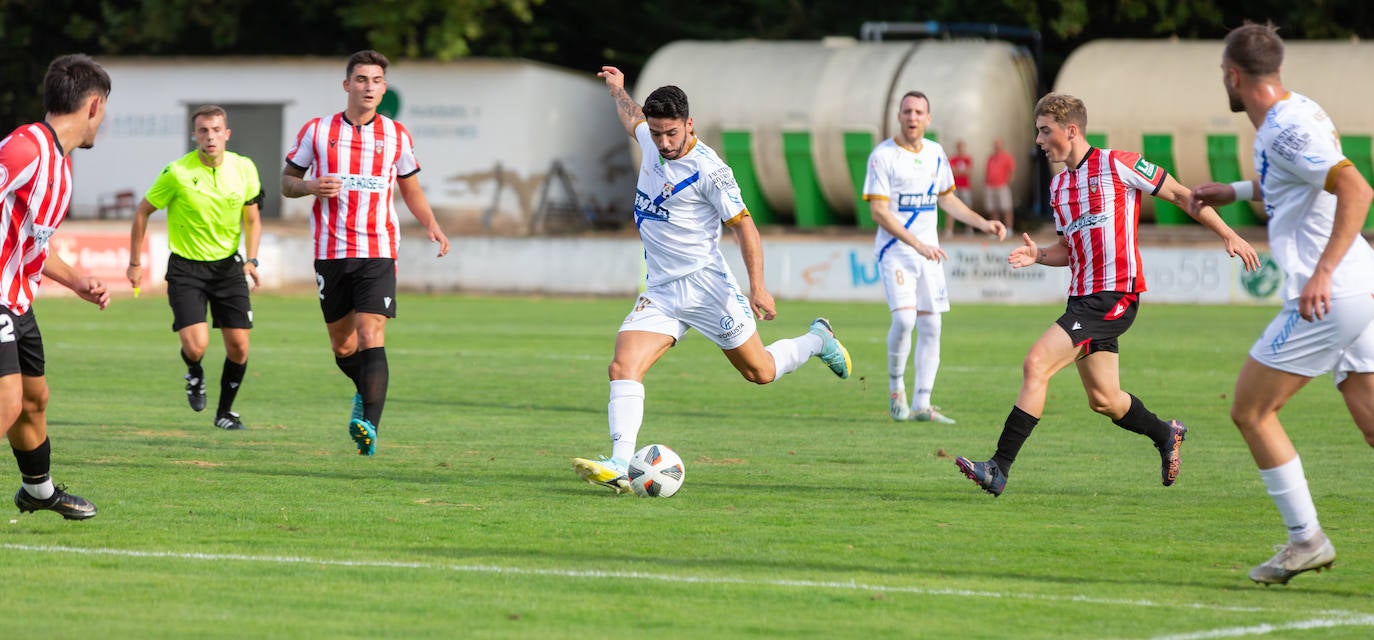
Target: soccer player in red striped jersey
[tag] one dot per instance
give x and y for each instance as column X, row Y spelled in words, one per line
column 35, row 191
column 358, row 159
column 1096, row 201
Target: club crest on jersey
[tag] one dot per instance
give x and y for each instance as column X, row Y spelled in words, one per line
column 42, row 233
column 1145, row 168
column 1093, row 182
column 378, row 147
column 667, row 190
column 333, row 142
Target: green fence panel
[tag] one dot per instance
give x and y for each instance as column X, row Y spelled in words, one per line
column 1357, row 150
column 1097, row 139
column 1159, row 149
column 1223, row 160
column 857, row 146
column 736, row 148
column 809, row 204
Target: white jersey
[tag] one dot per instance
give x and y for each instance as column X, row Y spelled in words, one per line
column 1297, row 153
column 912, row 181
column 679, row 207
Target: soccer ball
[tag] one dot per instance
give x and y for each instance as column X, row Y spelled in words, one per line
column 656, row 472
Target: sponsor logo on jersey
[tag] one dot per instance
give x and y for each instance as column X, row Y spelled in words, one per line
column 1091, row 221
column 646, row 208
column 724, row 179
column 1145, row 168
column 727, row 323
column 354, row 182
column 916, row 201
column 42, row 233
column 1290, row 143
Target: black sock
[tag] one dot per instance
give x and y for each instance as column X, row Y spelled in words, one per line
column 229, row 383
column 1014, row 433
column 376, row 377
column 352, row 366
column 1140, row 420
column 193, row 367
column 35, row 465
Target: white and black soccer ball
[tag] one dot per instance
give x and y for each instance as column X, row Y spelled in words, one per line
column 656, row 472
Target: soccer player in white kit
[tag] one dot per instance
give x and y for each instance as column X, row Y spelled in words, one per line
column 685, row 192
column 1317, row 202
column 907, row 177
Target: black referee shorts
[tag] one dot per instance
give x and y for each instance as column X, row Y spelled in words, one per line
column 221, row 283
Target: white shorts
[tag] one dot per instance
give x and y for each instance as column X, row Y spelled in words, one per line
column 709, row 301
column 912, row 281
column 998, row 198
column 1340, row 342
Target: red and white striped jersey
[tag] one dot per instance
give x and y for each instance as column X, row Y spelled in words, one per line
column 1097, row 210
column 35, row 190
column 361, row 221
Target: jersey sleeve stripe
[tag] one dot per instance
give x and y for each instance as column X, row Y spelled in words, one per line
column 1329, row 185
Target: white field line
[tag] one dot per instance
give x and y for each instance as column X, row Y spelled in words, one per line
column 1330, row 619
column 1337, row 619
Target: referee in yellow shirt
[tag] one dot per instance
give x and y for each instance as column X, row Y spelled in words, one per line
column 212, row 197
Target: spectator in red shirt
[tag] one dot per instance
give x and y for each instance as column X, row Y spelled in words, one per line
column 961, row 165
column 1000, row 168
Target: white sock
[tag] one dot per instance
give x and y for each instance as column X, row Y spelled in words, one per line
column 899, row 348
column 626, row 413
column 1287, row 487
column 789, row 354
column 41, row 491
column 927, row 359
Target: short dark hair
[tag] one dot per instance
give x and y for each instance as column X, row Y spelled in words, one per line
column 70, row 80
column 1256, row 49
column 666, row 102
column 366, row 56
column 209, row 111
column 915, row 94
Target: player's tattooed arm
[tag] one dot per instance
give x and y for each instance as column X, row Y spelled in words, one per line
column 625, row 106
column 629, row 110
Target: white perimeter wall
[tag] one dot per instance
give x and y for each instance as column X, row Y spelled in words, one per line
column 795, row 269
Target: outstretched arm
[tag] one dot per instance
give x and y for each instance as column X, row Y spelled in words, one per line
column 956, row 208
column 625, row 106
column 1181, row 197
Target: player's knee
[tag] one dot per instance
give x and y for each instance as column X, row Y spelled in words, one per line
column 1101, row 404
column 759, row 375
column 36, row 402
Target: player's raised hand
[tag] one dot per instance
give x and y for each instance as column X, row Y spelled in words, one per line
column 614, row 77
column 1024, row 255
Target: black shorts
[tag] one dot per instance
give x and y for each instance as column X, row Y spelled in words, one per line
column 21, row 344
column 365, row 285
column 1095, row 321
column 192, row 283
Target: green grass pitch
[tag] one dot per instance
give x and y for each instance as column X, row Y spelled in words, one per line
column 806, row 512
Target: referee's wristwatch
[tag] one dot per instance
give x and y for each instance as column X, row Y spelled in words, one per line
column 254, row 262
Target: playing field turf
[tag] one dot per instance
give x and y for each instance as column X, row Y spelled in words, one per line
column 806, row 512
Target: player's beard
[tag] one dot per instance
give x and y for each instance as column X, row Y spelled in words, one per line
column 1236, row 105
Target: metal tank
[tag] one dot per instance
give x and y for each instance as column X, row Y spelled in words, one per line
column 796, row 120
column 1165, row 98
